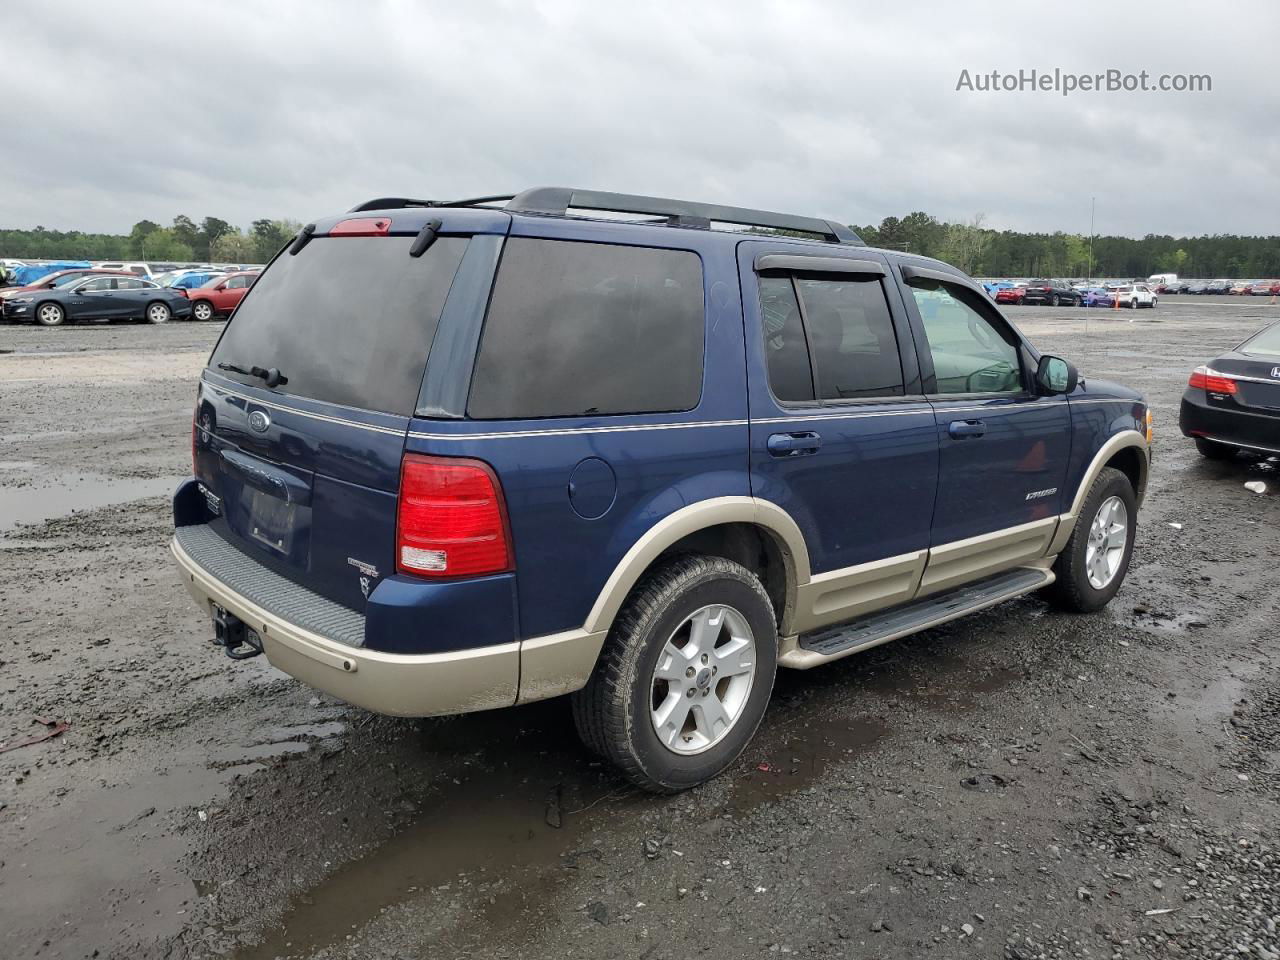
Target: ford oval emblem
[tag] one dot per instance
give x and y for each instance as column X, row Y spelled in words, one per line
column 259, row 421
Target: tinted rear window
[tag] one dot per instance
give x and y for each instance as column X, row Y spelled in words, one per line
column 348, row 320
column 578, row 329
column 1266, row 343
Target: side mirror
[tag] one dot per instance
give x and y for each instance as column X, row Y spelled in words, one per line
column 1055, row 376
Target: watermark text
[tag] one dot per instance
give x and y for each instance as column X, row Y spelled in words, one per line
column 1066, row 83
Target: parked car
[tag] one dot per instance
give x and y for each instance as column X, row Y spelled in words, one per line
column 137, row 269
column 445, row 507
column 53, row 280
column 1050, row 292
column 104, row 297
column 1264, row 288
column 1218, row 287
column 1196, row 287
column 1098, row 297
column 1135, row 295
column 1232, row 402
column 1012, row 295
column 219, row 295
column 192, row 279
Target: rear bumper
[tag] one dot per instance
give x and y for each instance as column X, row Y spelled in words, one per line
column 1239, row 428
column 408, row 685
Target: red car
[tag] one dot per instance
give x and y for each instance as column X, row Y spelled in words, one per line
column 1011, row 295
column 58, row 279
column 220, row 295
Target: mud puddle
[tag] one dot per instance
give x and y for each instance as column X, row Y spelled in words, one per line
column 521, row 804
column 74, row 493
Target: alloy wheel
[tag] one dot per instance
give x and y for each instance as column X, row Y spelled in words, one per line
column 703, row 679
column 1108, row 536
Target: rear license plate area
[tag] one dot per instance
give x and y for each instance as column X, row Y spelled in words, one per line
column 271, row 521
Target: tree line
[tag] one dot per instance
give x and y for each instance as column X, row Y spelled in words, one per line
column 212, row 239
column 972, row 246
column 984, row 252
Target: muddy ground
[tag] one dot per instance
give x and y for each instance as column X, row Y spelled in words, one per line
column 1019, row 784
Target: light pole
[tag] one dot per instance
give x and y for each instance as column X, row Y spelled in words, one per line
column 1092, row 203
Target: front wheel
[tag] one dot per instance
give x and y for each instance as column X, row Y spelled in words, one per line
column 1094, row 562
column 202, row 310
column 50, row 315
column 685, row 675
column 1054, row 302
column 158, row 313
column 1133, row 304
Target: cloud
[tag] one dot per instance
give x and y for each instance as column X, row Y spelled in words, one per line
column 850, row 111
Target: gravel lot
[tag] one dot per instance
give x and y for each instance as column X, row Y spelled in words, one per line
column 1019, row 784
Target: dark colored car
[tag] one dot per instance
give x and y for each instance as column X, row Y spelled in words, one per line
column 109, row 297
column 218, row 296
column 642, row 463
column 1051, row 293
column 1233, row 402
column 1219, row 287
column 60, row 279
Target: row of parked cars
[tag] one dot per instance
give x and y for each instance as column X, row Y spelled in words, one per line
column 1054, row 293
column 1234, row 288
column 126, row 291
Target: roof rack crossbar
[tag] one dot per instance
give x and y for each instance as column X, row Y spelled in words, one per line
column 555, row 201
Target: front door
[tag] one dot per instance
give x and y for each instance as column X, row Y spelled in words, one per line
column 1003, row 449
column 842, row 437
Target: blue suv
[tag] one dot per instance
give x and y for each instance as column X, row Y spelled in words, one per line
column 456, row 456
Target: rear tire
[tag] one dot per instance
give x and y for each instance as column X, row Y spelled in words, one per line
column 1213, row 450
column 202, row 310
column 158, row 312
column 1078, row 588
column 641, row 676
column 50, row 315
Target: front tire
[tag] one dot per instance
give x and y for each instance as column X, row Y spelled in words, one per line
column 685, row 675
column 1133, row 304
column 1054, row 302
column 202, row 310
column 1094, row 562
column 50, row 315
column 158, row 312
column 1213, row 450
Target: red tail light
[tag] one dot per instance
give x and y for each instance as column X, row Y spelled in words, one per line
column 452, row 520
column 1203, row 379
column 361, row 227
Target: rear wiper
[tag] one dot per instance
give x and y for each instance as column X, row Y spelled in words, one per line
column 425, row 238
column 272, row 377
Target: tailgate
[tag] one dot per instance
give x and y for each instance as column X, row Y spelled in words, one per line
column 305, row 404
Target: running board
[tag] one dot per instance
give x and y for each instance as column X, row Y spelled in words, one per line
column 832, row 643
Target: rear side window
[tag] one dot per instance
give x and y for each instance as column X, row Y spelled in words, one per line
column 855, row 351
column 348, row 320
column 841, row 346
column 786, row 351
column 579, row 329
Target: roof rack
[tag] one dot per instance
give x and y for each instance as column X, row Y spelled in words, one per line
column 395, row 203
column 555, row 201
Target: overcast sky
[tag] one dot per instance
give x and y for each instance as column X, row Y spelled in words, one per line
column 125, row 110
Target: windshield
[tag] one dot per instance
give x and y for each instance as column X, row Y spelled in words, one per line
column 62, row 281
column 347, row 320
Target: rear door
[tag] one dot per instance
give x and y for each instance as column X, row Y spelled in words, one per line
column 306, row 472
column 842, row 437
column 1003, row 449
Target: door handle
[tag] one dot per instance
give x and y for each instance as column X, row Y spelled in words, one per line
column 794, row 444
column 964, row 429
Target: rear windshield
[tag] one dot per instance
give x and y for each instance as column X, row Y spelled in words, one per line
column 1266, row 343
column 348, row 320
